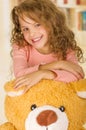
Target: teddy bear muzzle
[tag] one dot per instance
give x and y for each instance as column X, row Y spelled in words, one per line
column 46, row 118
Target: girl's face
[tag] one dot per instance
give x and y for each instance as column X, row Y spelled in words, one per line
column 34, row 33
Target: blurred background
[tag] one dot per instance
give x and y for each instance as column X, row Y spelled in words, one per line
column 5, row 58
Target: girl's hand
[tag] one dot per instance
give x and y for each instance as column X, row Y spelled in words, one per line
column 31, row 79
column 65, row 65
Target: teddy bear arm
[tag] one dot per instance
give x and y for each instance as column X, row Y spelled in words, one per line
column 7, row 126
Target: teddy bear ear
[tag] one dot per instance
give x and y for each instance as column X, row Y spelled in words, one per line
column 80, row 88
column 10, row 91
column 82, row 94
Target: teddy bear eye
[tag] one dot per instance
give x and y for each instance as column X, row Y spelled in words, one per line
column 33, row 106
column 62, row 108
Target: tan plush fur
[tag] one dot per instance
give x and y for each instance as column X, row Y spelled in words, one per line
column 47, row 92
column 7, row 126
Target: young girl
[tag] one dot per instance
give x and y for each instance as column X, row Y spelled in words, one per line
column 43, row 46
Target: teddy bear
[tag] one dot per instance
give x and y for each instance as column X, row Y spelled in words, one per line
column 48, row 105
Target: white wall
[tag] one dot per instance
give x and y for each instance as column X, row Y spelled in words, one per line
column 5, row 58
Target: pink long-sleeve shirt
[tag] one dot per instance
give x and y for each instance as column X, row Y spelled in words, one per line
column 27, row 60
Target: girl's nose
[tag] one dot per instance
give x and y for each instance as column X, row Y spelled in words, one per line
column 32, row 32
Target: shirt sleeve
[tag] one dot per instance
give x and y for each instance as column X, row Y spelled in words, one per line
column 63, row 75
column 20, row 61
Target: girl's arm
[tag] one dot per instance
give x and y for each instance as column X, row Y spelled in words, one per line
column 67, row 70
column 20, row 61
column 68, row 66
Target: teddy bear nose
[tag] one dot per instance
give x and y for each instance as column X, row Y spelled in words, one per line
column 46, row 117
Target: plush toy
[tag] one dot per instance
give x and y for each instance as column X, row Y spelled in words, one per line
column 48, row 105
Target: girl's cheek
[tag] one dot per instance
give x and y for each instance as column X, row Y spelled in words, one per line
column 26, row 36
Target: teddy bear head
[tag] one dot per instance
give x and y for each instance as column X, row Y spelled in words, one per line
column 48, row 105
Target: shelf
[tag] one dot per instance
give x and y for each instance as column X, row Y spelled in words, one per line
column 75, row 19
column 72, row 6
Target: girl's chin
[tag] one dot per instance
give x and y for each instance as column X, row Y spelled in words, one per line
column 37, row 45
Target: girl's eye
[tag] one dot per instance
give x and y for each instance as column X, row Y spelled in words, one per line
column 25, row 29
column 37, row 24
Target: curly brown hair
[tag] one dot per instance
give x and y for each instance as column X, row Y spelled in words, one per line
column 61, row 37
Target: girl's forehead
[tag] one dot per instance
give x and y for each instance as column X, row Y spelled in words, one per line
column 25, row 19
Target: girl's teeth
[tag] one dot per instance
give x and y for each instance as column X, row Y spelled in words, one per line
column 37, row 39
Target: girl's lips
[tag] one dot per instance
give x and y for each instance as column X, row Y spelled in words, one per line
column 36, row 39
